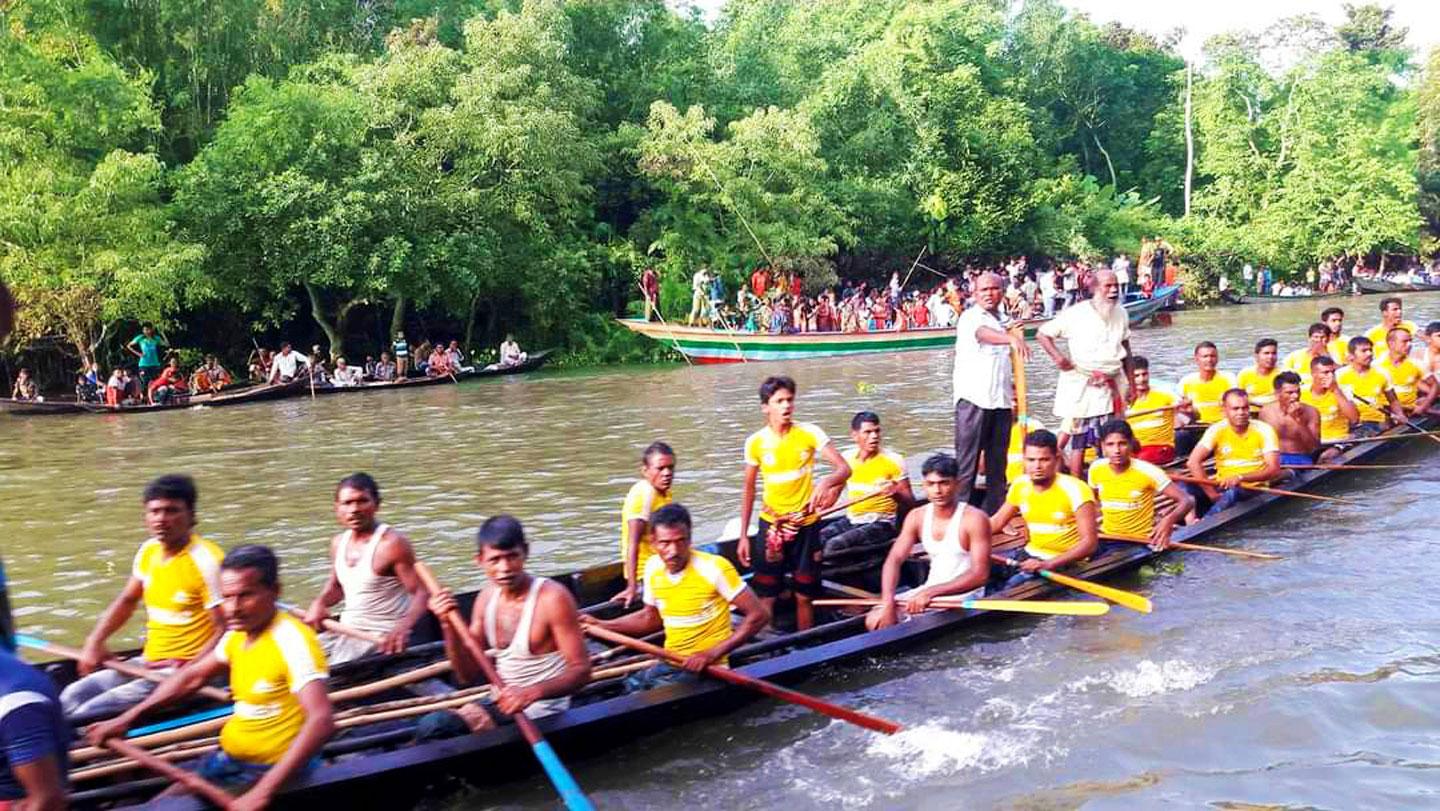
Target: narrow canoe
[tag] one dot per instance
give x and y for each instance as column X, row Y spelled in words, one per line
column 706, row 345
column 1386, row 286
column 384, row 766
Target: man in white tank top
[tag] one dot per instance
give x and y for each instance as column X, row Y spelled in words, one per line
column 955, row 536
column 530, row 625
column 373, row 570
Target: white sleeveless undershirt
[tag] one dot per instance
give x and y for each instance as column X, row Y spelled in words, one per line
column 373, row 602
column 948, row 559
column 516, row 664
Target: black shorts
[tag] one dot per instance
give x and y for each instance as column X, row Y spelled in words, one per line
column 800, row 558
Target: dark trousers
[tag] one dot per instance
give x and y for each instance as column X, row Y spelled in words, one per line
column 982, row 429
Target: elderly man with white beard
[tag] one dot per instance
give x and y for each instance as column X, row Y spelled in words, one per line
column 1088, row 392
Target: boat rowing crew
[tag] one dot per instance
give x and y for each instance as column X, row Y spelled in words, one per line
column 391, row 739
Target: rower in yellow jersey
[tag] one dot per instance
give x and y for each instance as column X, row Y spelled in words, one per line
column 277, row 670
column 1414, row 390
column 1059, row 512
column 1127, row 487
column 1369, row 388
column 1015, row 453
column 657, row 474
column 1202, row 389
column 878, row 488
column 1151, row 415
column 1392, row 315
column 1337, row 412
column 1258, row 379
column 1246, row 451
column 1337, row 345
column 1316, row 346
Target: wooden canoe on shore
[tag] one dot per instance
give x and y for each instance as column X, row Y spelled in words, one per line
column 381, row 765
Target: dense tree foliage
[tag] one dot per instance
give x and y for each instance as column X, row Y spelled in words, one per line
column 338, row 170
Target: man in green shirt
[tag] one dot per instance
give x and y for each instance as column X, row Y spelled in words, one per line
column 146, row 346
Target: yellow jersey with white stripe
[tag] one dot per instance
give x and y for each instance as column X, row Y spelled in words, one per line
column 179, row 592
column 1333, row 424
column 1015, row 453
column 1157, row 428
column 1127, row 498
column 1049, row 515
column 266, row 673
column 1339, row 349
column 871, row 476
column 1299, row 362
column 1405, row 378
column 694, row 604
column 1368, row 385
column 1206, row 395
column 787, row 467
column 1260, row 387
column 1379, row 335
column 1237, row 454
column 642, row 500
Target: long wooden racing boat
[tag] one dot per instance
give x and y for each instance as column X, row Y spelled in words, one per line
column 1391, row 286
column 706, row 345
column 530, row 364
column 382, row 763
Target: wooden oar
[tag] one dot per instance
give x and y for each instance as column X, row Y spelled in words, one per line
column 118, row 665
column 1264, row 489
column 1078, row 608
column 1351, row 467
column 1017, row 365
column 1409, row 422
column 337, row 627
column 190, row 780
column 1120, row 597
column 1147, row 412
column 569, row 791
column 758, row 685
column 1195, row 547
column 1383, row 438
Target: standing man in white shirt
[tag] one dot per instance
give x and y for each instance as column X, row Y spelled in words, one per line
column 1088, row 393
column 1121, row 266
column 984, row 391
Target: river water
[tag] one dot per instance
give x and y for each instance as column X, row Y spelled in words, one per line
column 1305, row 683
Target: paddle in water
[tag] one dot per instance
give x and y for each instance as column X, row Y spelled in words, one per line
column 1264, row 489
column 1194, row 547
column 1120, row 597
column 1078, row 608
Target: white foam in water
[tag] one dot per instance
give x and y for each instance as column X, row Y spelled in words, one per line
column 1149, row 678
column 931, row 749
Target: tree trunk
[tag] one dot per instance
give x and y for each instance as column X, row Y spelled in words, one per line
column 470, row 325
column 1189, row 136
column 1114, row 181
column 334, row 330
column 397, row 320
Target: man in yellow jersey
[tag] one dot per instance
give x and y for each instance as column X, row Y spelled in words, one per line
column 1370, row 388
column 1127, row 487
column 1413, row 388
column 1337, row 412
column 1152, row 417
column 788, row 542
column 657, row 473
column 277, row 676
column 878, row 489
column 1246, row 452
column 1296, row 423
column 1201, row 390
column 1299, row 361
column 1015, row 452
column 1430, row 364
column 688, row 594
column 1337, row 345
column 176, row 574
column 1392, row 315
column 1059, row 512
column 1258, row 379
column 955, row 537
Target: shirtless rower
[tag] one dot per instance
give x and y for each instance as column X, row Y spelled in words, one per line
column 1128, row 486
column 373, row 571
column 1370, row 388
column 1296, row 423
column 657, row 473
column 532, row 625
column 1059, row 512
column 688, row 594
column 1246, row 451
column 1258, row 379
column 1317, row 339
column 954, row 535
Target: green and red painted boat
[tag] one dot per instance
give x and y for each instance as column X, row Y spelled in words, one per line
column 705, row 345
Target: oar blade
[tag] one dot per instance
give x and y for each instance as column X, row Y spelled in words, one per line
column 570, row 792
column 1127, row 599
column 1077, row 608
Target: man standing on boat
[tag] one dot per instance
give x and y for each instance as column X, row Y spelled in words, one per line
column 1246, row 452
column 650, row 291
column 1296, row 423
column 146, row 346
column 689, row 594
column 877, row 489
column 954, row 535
column 530, row 623
column 984, row 391
column 1087, row 393
column 176, row 574
column 1258, row 379
column 1059, row 512
column 373, row 571
column 1127, row 488
column 277, row 671
column 657, row 473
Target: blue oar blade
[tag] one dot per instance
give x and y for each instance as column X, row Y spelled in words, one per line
column 569, row 791
column 184, row 720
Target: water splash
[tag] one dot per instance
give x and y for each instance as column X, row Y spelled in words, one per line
column 932, row 749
